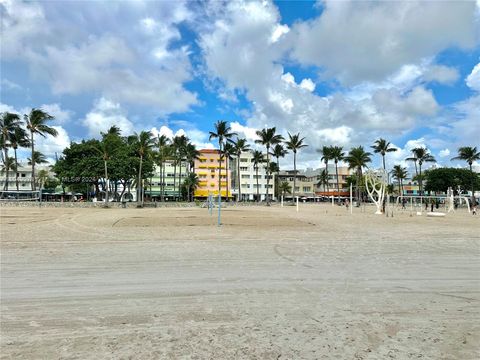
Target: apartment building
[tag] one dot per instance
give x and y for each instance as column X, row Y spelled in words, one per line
column 167, row 182
column 207, row 170
column 332, row 187
column 24, row 173
column 248, row 180
column 304, row 185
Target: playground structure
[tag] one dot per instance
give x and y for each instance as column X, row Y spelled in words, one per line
column 418, row 202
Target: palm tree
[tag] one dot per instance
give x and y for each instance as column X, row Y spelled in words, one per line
column 105, row 150
column 468, row 154
column 421, row 155
column 222, row 132
column 8, row 123
column 37, row 124
column 278, row 151
column 257, row 159
column 239, row 147
column 38, row 158
column 144, row 143
column 399, row 173
column 323, row 179
column 18, row 138
column 42, row 178
column 285, row 188
column 228, row 151
column 358, row 158
column 163, row 144
column 179, row 144
column 383, row 147
column 295, row 143
column 337, row 155
column 8, row 165
column 268, row 138
column 191, row 183
column 191, row 154
column 326, row 157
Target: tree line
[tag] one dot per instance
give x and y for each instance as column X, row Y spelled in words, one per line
column 130, row 160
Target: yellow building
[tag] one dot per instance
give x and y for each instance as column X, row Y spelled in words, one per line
column 207, row 169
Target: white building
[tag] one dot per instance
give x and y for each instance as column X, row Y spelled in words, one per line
column 248, row 179
column 24, row 173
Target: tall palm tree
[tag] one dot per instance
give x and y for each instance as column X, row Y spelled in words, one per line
column 268, row 138
column 191, row 154
column 323, row 179
column 239, row 147
column 222, row 132
column 191, row 183
column 285, row 188
column 399, row 173
column 37, row 124
column 42, row 178
column 278, row 151
column 228, row 151
column 326, row 157
column 257, row 159
column 38, row 158
column 337, row 155
column 18, row 138
column 8, row 123
column 382, row 147
column 357, row 159
column 163, row 144
column 144, row 143
column 295, row 143
column 179, row 144
column 468, row 154
column 421, row 155
column 105, row 149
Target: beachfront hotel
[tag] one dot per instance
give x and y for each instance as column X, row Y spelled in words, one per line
column 207, row 167
column 167, row 181
column 248, row 179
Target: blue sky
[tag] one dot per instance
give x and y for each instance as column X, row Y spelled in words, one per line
column 342, row 73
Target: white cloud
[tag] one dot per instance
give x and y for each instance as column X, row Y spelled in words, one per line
column 444, row 153
column 473, row 79
column 61, row 116
column 340, row 135
column 308, row 85
column 441, row 74
column 359, row 40
column 50, row 145
column 115, row 60
column 244, row 131
column 104, row 115
column 278, row 32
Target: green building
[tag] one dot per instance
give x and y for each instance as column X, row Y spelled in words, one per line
column 171, row 177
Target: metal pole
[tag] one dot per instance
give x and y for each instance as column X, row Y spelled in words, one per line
column 297, row 203
column 282, row 200
column 219, row 208
column 351, row 198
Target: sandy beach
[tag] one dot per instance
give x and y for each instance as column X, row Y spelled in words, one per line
column 270, row 283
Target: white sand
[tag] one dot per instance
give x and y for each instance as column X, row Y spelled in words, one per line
column 268, row 284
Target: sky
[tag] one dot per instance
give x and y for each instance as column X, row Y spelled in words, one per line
column 339, row 72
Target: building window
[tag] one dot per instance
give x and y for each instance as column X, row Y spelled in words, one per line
column 245, row 176
column 23, row 175
column 243, row 160
column 243, row 168
column 306, row 189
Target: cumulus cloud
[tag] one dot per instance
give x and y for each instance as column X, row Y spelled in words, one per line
column 473, row 79
column 50, row 145
column 61, row 115
column 108, row 60
column 441, row 74
column 359, row 40
column 104, row 114
column 444, row 153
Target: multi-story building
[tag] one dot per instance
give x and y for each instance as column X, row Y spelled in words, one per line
column 332, row 188
column 167, row 182
column 248, row 179
column 304, row 185
column 24, row 177
column 207, row 170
